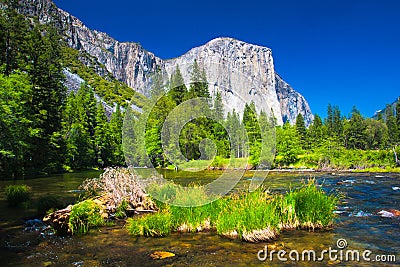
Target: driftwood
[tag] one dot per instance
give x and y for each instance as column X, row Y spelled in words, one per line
column 59, row 221
column 115, row 186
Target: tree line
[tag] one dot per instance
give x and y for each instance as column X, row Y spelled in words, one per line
column 230, row 135
column 340, row 134
column 42, row 130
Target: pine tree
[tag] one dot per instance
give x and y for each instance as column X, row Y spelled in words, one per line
column 13, row 37
column 102, row 138
column 316, row 132
column 398, row 120
column 391, row 125
column 218, row 107
column 198, row 82
column 177, row 90
column 116, row 124
column 337, row 125
column 301, row 130
column 252, row 126
column 355, row 131
column 45, row 72
column 329, row 119
column 158, row 85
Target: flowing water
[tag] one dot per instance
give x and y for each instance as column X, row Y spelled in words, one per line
column 358, row 222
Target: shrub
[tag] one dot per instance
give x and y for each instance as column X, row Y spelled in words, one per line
column 85, row 216
column 17, row 195
column 48, row 203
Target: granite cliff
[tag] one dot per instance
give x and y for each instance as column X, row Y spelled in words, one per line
column 132, row 64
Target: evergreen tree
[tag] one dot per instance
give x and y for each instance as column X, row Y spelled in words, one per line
column 102, row 138
column 116, row 124
column 316, row 132
column 301, row 130
column 218, row 107
column 198, row 82
column 177, row 90
column 45, row 71
column 252, row 127
column 236, row 134
column 355, row 131
column 13, row 37
column 287, row 144
column 158, row 85
column 337, row 123
column 329, row 119
column 398, row 120
column 16, row 124
column 391, row 125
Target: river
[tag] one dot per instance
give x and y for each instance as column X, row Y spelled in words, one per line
column 358, row 223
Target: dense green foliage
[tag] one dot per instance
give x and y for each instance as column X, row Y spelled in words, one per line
column 17, row 195
column 252, row 216
column 90, row 139
column 43, row 130
column 207, row 136
column 31, row 96
column 85, row 216
column 340, row 142
column 107, row 87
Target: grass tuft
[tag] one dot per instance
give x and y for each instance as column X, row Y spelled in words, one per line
column 84, row 216
column 154, row 225
column 17, row 195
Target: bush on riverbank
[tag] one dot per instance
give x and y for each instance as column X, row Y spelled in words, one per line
column 344, row 159
column 17, row 195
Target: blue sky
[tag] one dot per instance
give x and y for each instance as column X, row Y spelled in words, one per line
column 343, row 52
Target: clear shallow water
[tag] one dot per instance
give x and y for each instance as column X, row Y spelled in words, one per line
column 357, row 222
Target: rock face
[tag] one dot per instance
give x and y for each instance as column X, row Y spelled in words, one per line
column 292, row 103
column 240, row 71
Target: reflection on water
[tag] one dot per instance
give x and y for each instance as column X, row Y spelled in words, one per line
column 358, row 222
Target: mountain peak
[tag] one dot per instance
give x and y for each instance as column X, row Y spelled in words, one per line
column 133, row 65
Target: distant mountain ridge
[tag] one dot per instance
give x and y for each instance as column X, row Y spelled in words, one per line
column 384, row 110
column 132, row 64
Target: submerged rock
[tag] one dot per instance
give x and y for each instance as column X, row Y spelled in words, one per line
column 34, row 225
column 159, row 255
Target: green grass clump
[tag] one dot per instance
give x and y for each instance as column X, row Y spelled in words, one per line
column 85, row 216
column 252, row 216
column 17, row 195
column 247, row 214
column 122, row 209
column 314, row 208
column 155, row 225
